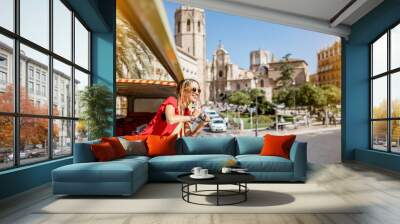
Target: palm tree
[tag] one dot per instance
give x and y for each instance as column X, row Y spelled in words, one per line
column 134, row 59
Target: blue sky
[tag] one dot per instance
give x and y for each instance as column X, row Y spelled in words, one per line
column 240, row 35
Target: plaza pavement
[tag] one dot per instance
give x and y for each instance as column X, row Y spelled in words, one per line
column 323, row 143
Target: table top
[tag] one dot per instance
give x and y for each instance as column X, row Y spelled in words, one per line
column 220, row 178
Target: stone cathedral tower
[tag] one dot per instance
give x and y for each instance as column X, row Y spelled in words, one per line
column 190, row 37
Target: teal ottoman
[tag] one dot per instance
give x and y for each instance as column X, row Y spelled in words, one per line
column 118, row 177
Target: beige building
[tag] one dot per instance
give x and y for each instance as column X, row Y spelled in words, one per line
column 300, row 70
column 264, row 72
column 190, row 40
column 329, row 66
column 189, row 64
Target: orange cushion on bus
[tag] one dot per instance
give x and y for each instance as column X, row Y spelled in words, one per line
column 161, row 145
column 135, row 137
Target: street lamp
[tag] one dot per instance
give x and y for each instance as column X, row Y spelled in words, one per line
column 255, row 82
column 294, row 95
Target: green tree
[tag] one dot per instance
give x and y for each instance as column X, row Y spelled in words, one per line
column 240, row 98
column 332, row 94
column 258, row 94
column 266, row 108
column 287, row 96
column 97, row 102
column 311, row 96
column 286, row 69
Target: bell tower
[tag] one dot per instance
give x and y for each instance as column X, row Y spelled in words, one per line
column 190, row 37
column 190, row 30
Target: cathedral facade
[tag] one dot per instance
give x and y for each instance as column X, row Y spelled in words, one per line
column 263, row 73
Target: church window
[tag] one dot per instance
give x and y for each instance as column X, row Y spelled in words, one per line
column 199, row 26
column 220, row 74
column 237, row 86
column 178, row 27
column 262, row 83
column 188, row 25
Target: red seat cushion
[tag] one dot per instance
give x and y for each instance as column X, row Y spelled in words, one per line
column 103, row 152
column 277, row 145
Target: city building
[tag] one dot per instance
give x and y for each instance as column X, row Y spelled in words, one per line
column 313, row 78
column 329, row 71
column 260, row 58
column 190, row 41
column 264, row 73
column 34, row 82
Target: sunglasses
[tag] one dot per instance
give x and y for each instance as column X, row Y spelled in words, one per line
column 196, row 90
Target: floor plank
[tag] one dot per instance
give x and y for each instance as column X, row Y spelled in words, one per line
column 377, row 190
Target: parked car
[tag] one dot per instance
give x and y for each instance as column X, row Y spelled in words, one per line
column 218, row 125
column 25, row 154
column 22, row 155
column 212, row 114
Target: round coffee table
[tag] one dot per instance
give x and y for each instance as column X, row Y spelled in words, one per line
column 238, row 179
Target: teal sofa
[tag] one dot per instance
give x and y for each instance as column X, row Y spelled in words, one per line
column 125, row 176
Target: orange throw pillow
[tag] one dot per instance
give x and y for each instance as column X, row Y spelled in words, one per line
column 161, row 145
column 277, row 145
column 116, row 145
column 136, row 137
column 103, row 152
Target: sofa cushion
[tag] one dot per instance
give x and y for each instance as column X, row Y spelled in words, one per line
column 103, row 152
column 277, row 145
column 116, row 145
column 83, row 152
column 112, row 171
column 206, row 145
column 161, row 145
column 131, row 158
column 249, row 145
column 136, row 147
column 185, row 163
column 135, row 137
column 257, row 163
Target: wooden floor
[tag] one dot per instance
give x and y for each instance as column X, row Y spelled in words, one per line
column 379, row 189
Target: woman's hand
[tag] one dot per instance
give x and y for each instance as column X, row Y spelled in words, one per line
column 196, row 113
column 205, row 119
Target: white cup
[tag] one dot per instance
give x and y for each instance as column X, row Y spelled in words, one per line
column 203, row 172
column 226, row 170
column 196, row 171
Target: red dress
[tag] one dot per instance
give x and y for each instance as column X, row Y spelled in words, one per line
column 159, row 125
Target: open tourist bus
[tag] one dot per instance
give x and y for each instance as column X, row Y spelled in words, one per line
column 141, row 89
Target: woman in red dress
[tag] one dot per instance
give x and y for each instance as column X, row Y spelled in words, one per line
column 175, row 115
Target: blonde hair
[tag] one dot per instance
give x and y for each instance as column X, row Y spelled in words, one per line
column 182, row 85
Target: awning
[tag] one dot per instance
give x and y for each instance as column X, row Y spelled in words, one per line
column 150, row 22
column 142, row 88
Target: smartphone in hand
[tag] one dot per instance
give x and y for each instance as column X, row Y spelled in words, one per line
column 193, row 106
